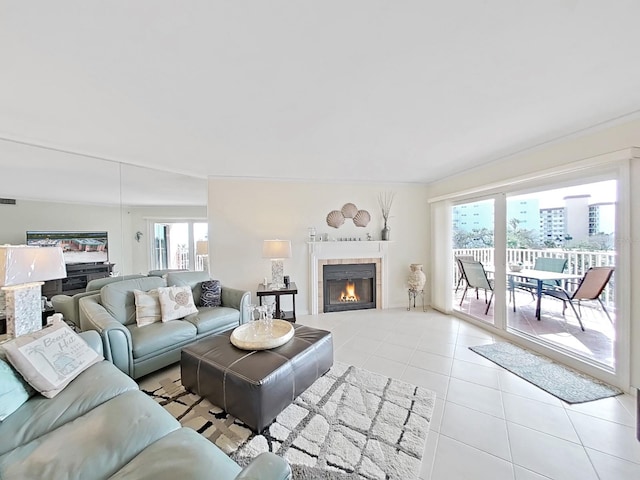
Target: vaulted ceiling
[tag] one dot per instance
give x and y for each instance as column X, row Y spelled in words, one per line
column 363, row 90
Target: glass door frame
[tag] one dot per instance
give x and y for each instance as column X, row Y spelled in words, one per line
column 608, row 169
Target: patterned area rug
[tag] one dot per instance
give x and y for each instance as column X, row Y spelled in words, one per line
column 350, row 424
column 560, row 381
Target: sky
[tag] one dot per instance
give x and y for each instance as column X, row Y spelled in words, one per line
column 600, row 192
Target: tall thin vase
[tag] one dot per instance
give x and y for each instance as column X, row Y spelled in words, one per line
column 385, row 232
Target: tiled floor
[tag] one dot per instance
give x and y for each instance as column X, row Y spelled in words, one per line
column 488, row 423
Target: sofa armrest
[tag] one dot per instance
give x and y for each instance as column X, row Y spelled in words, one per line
column 69, row 306
column 116, row 338
column 266, row 466
column 93, row 340
column 65, row 305
column 236, row 298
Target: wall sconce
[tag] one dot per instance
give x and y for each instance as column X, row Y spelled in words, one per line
column 277, row 250
column 23, row 270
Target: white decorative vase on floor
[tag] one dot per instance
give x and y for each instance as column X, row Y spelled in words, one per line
column 417, row 278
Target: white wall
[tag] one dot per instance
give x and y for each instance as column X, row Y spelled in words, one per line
column 243, row 213
column 15, row 220
column 613, row 139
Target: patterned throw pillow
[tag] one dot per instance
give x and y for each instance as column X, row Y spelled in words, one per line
column 210, row 296
column 51, row 358
column 147, row 307
column 176, row 302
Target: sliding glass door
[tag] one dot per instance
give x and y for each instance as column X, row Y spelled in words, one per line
column 561, row 234
column 473, row 259
column 541, row 264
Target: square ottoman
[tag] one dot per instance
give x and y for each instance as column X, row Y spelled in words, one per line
column 255, row 386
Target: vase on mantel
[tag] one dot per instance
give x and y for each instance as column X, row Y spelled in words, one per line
column 417, row 278
column 385, row 232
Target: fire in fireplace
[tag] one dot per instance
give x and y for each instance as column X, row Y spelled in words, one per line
column 349, row 287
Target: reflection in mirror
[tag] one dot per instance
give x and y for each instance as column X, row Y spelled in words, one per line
column 50, row 190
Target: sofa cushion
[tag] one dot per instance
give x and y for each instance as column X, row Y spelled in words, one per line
column 190, row 279
column 214, row 319
column 118, row 299
column 176, row 302
column 173, row 457
column 14, row 391
column 211, row 293
column 96, row 385
column 51, row 358
column 95, row 445
column 148, row 309
column 158, row 336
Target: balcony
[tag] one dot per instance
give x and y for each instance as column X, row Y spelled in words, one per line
column 595, row 343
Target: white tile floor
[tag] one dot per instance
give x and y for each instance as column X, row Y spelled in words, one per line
column 488, row 423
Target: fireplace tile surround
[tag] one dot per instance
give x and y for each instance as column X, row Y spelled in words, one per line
column 343, row 253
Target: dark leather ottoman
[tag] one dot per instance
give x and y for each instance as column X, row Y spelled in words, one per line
column 255, row 386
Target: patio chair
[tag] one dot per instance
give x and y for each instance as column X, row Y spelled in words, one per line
column 590, row 287
column 476, row 277
column 547, row 264
column 460, row 271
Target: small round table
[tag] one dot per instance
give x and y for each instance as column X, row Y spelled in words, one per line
column 412, row 296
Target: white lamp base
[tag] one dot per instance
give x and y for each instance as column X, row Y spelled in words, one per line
column 24, row 309
column 277, row 273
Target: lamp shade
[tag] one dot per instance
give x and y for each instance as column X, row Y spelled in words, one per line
column 20, row 264
column 276, row 249
column 202, row 247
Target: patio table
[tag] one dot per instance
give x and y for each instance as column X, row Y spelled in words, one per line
column 540, row 276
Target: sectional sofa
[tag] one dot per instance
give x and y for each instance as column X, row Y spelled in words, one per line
column 101, row 426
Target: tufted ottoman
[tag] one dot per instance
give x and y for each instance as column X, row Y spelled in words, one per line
column 255, row 386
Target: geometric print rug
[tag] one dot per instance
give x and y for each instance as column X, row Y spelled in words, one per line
column 562, row 382
column 350, row 424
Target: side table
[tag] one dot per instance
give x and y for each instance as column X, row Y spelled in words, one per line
column 412, row 295
column 292, row 289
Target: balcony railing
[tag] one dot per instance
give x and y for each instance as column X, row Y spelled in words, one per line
column 578, row 262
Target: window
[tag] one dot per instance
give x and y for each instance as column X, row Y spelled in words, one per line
column 180, row 245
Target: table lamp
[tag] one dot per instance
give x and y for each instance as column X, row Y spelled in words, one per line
column 277, row 251
column 23, row 270
column 202, row 254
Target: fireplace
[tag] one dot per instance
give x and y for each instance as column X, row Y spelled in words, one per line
column 349, row 287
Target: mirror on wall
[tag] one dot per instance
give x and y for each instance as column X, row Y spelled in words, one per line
column 46, row 190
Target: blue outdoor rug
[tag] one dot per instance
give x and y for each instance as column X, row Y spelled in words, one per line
column 560, row 381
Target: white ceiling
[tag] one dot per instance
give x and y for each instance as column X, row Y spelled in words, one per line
column 359, row 90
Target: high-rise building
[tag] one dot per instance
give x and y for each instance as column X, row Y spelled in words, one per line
column 602, row 218
column 552, row 224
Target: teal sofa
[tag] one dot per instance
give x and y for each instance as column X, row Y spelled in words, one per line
column 138, row 351
column 69, row 305
column 101, row 426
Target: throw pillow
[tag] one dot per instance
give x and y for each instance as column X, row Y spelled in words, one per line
column 14, row 391
column 210, row 296
column 147, row 307
column 51, row 358
column 176, row 302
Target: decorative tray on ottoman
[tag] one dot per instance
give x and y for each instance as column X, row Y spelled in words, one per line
column 258, row 336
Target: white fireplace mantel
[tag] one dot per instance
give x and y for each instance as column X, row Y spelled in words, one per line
column 320, row 251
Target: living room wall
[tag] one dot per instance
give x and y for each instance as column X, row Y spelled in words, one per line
column 243, row 213
column 619, row 137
